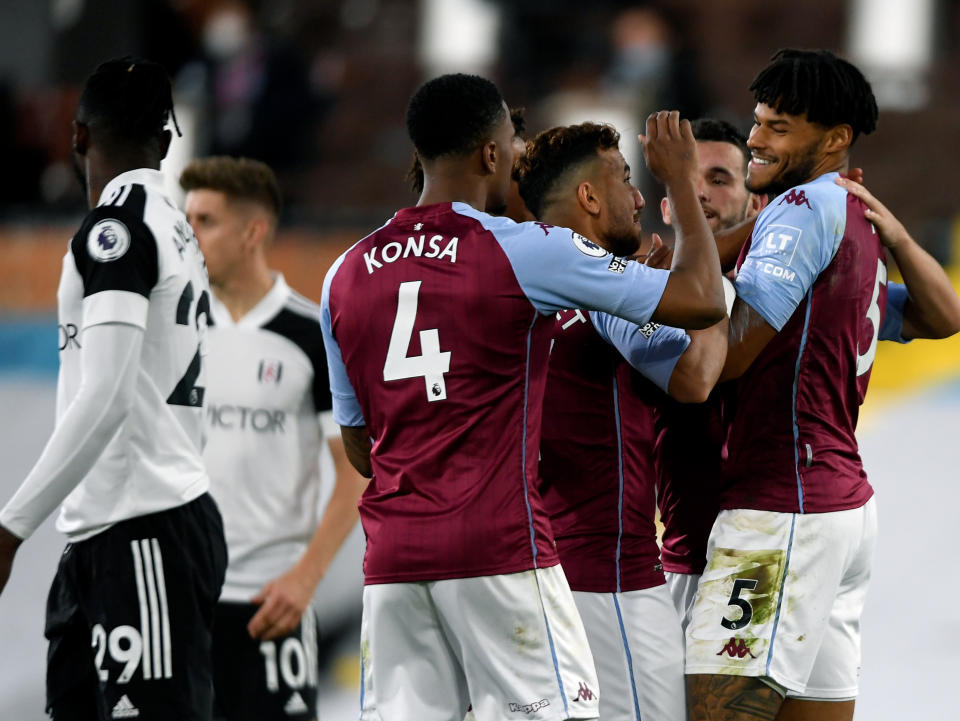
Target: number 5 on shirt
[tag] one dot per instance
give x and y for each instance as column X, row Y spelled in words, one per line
column 431, row 364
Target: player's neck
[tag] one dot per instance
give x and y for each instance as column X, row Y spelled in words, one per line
column 577, row 222
column 830, row 164
column 101, row 170
column 244, row 289
column 451, row 185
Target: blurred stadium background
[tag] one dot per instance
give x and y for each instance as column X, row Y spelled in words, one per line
column 318, row 88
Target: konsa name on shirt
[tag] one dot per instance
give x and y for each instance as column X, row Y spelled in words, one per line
column 416, row 247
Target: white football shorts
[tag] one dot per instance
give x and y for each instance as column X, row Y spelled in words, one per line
column 781, row 597
column 637, row 647
column 683, row 591
column 512, row 646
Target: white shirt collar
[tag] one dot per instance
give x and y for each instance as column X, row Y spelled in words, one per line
column 153, row 179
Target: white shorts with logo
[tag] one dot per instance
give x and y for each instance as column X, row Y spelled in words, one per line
column 781, row 597
column 683, row 591
column 512, row 646
column 637, row 647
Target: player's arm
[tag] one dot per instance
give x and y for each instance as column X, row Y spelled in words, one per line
column 693, row 295
column 284, row 599
column 932, row 308
column 730, row 242
column 109, row 359
column 683, row 364
column 346, row 408
column 790, row 247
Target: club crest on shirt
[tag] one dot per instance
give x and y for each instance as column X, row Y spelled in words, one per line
column 108, row 240
column 587, row 247
column 270, row 371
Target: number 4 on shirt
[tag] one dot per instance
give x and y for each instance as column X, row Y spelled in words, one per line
column 431, row 364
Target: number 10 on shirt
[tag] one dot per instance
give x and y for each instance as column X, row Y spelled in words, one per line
column 431, row 364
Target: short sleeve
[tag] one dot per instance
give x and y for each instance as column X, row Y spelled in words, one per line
column 652, row 349
column 795, row 239
column 346, row 407
column 892, row 326
column 115, row 254
column 559, row 269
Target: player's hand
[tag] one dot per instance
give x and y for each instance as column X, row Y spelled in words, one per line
column 9, row 544
column 282, row 603
column 890, row 229
column 660, row 255
column 855, row 174
column 670, row 148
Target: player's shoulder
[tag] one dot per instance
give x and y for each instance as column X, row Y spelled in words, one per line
column 506, row 230
column 819, row 199
column 297, row 318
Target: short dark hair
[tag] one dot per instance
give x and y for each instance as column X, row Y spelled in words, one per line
column 720, row 131
column 237, row 178
column 453, row 115
column 830, row 90
column 128, row 101
column 415, row 173
column 555, row 152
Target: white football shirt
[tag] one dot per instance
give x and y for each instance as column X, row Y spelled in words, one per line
column 267, row 391
column 135, row 260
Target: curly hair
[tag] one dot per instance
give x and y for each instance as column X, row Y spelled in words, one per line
column 556, row 152
column 453, row 114
column 830, row 90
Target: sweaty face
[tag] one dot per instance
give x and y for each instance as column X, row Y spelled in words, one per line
column 622, row 204
column 723, row 194
column 785, row 150
column 219, row 230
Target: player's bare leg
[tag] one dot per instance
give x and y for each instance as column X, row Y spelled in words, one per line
column 717, row 697
column 798, row 709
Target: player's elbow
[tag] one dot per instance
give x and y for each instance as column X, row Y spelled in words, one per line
column 691, row 387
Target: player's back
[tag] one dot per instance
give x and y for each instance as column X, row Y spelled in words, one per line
column 597, row 476
column 790, row 443
column 135, row 260
column 437, row 330
column 441, row 364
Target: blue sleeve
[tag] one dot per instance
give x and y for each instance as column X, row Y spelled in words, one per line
column 346, row 407
column 892, row 326
column 795, row 239
column 652, row 349
column 558, row 269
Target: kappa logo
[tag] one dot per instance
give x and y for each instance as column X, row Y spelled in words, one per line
column 528, row 707
column 270, row 371
column 108, row 240
column 797, row 198
column 584, row 693
column 295, row 704
column 736, row 648
column 588, row 247
column 124, row 708
column 545, row 227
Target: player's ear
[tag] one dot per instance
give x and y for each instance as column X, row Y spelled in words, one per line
column 838, row 138
column 665, row 211
column 165, row 138
column 588, row 198
column 81, row 137
column 489, row 156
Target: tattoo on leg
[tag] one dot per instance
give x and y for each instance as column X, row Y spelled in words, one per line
column 714, row 697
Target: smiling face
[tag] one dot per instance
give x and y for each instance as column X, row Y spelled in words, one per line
column 622, row 204
column 721, row 187
column 786, row 150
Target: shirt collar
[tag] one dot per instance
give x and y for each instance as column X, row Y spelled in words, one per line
column 148, row 177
